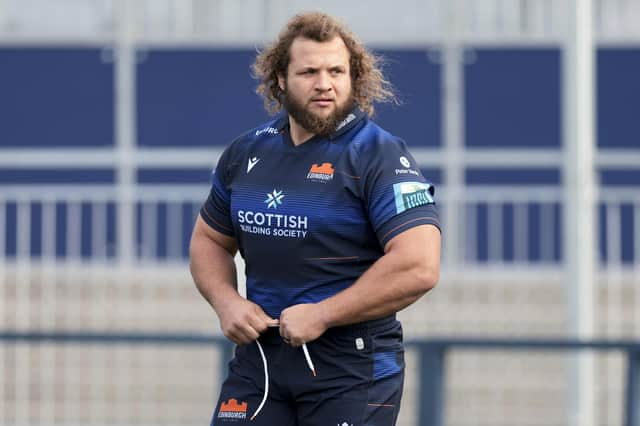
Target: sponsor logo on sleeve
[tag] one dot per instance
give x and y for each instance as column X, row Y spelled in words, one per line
column 233, row 410
column 321, row 173
column 407, row 168
column 407, row 172
column 409, row 195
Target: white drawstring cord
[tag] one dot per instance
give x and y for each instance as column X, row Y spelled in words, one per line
column 266, row 373
column 266, row 380
column 308, row 358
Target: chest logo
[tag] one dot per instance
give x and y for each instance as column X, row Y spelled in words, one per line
column 321, row 173
column 274, row 199
column 252, row 162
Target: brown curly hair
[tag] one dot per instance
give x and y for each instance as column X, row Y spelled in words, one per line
column 368, row 82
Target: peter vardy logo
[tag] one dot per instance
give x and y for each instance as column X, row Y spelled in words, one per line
column 274, row 199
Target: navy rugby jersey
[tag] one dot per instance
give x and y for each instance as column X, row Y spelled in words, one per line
column 310, row 219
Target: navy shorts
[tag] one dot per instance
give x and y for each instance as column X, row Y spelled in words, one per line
column 360, row 374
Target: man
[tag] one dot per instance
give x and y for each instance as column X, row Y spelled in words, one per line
column 338, row 230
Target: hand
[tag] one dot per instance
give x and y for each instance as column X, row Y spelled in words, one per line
column 301, row 324
column 242, row 321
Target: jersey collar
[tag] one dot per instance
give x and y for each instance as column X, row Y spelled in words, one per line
column 354, row 117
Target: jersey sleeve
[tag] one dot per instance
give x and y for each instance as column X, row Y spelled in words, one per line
column 216, row 210
column 397, row 195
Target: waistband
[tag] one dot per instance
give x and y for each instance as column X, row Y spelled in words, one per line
column 371, row 326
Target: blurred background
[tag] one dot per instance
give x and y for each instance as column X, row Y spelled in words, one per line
column 524, row 113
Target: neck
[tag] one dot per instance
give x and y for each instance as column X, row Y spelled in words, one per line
column 299, row 134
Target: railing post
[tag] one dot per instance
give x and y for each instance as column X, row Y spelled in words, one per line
column 432, row 384
column 632, row 410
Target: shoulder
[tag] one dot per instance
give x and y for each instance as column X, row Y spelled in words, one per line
column 373, row 140
column 244, row 143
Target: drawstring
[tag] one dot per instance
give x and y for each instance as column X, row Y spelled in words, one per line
column 266, row 373
column 308, row 358
column 266, row 380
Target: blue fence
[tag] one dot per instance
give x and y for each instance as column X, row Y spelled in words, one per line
column 432, row 354
column 204, row 97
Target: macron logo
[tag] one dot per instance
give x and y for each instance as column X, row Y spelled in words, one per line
column 267, row 130
column 252, row 162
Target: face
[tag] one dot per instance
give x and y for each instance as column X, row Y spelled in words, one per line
column 317, row 87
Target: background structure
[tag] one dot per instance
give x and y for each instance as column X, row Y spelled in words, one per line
column 114, row 112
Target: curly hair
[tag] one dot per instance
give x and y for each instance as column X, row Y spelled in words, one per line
column 368, row 82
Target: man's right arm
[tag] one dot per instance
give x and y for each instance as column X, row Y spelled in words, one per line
column 214, row 272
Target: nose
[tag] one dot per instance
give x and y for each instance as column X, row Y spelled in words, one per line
column 323, row 82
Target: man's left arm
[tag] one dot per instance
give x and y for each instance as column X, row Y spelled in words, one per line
column 409, row 268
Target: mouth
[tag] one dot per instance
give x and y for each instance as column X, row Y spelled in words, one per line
column 322, row 101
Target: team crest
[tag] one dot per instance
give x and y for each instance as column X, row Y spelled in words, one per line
column 321, row 173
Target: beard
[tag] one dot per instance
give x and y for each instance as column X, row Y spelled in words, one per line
column 313, row 123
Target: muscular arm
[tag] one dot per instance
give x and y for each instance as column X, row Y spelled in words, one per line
column 211, row 263
column 214, row 272
column 409, row 268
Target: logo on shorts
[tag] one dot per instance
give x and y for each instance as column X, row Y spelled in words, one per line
column 345, row 424
column 322, row 173
column 409, row 195
column 405, row 162
column 233, row 410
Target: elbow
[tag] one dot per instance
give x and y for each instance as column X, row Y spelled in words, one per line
column 426, row 278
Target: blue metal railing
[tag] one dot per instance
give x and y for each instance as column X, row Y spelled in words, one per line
column 432, row 356
column 433, row 373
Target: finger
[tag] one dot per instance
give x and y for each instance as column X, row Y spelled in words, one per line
column 243, row 334
column 259, row 324
column 261, row 321
column 250, row 333
column 284, row 335
column 235, row 338
column 270, row 322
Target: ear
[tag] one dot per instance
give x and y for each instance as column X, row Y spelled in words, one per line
column 282, row 82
